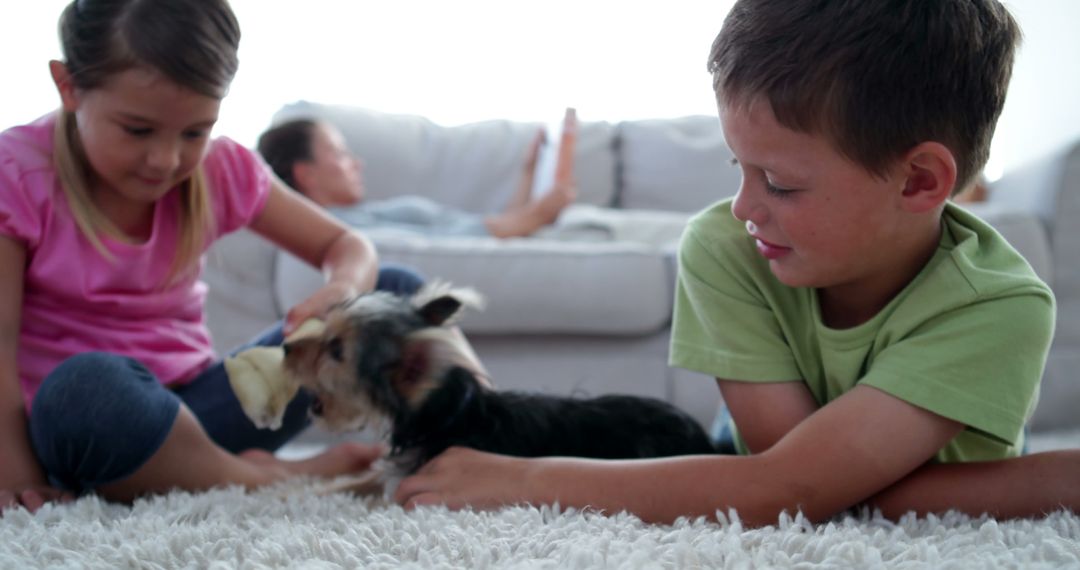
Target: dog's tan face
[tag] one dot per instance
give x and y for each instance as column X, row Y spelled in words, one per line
column 375, row 357
column 327, row 367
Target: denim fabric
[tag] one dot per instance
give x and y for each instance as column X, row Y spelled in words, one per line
column 98, row 417
column 723, row 437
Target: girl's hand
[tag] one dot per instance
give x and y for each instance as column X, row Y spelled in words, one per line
column 318, row 304
column 32, row 498
column 461, row 477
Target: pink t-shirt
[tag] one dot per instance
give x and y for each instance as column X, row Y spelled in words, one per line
column 75, row 300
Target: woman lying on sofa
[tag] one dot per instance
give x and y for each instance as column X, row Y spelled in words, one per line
column 311, row 157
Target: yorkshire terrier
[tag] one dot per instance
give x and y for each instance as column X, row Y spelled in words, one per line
column 395, row 363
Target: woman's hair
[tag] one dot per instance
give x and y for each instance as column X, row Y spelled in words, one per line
column 191, row 42
column 286, row 144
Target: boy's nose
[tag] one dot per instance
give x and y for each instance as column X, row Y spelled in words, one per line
column 747, row 208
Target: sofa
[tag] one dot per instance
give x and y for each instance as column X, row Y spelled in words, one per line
column 585, row 308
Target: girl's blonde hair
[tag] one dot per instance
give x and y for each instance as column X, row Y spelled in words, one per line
column 194, row 44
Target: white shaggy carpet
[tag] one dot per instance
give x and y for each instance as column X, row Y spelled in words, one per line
column 285, row 526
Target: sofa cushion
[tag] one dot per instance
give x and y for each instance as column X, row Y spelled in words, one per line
column 678, row 164
column 475, row 166
column 240, row 302
column 531, row 286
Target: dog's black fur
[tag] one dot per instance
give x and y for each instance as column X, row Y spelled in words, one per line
column 432, row 403
column 463, row 413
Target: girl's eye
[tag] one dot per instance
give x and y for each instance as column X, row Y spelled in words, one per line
column 194, row 135
column 777, row 191
column 333, row 348
column 138, row 131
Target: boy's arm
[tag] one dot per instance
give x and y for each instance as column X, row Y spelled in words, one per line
column 1030, row 485
column 766, row 411
column 1023, row 486
column 849, row 450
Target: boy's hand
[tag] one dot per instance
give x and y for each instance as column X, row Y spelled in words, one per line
column 32, row 498
column 462, row 477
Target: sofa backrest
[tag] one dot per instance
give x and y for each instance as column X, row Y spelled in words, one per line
column 680, row 164
column 476, row 166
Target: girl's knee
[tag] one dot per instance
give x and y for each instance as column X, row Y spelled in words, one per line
column 82, row 379
column 98, row 413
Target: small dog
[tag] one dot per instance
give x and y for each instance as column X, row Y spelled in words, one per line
column 395, row 362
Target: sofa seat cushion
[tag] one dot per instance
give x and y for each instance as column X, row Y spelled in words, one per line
column 531, row 286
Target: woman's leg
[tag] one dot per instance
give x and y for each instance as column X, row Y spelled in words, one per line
column 398, row 279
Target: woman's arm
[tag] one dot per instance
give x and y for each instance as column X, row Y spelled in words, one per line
column 850, row 449
column 347, row 259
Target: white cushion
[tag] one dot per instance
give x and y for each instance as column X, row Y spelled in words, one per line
column 531, row 286
column 678, row 164
column 240, row 302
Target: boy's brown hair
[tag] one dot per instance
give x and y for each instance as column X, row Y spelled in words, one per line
column 876, row 77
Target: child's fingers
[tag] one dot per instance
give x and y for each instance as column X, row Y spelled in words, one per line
column 31, row 499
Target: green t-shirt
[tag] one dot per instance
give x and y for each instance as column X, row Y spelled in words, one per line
column 967, row 339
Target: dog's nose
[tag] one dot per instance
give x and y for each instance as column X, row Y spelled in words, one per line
column 285, row 348
column 317, row 407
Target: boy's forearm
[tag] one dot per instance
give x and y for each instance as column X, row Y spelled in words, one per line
column 662, row 490
column 1025, row 486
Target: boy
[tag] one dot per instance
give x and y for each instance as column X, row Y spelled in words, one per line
column 874, row 343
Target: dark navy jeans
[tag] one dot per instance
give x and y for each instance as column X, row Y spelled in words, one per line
column 98, row 417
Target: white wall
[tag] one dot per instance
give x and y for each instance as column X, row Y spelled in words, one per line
column 470, row 60
column 1042, row 110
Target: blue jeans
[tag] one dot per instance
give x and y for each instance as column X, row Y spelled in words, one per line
column 98, row 417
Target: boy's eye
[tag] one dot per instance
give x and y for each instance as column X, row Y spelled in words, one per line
column 777, row 191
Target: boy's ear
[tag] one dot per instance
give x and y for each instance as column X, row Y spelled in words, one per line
column 929, row 176
column 62, row 79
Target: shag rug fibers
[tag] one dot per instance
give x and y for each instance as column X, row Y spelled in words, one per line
column 287, row 526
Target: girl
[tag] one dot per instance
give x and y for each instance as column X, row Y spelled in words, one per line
column 107, row 378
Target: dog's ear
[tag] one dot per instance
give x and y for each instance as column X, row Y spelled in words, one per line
column 437, row 311
column 438, row 302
